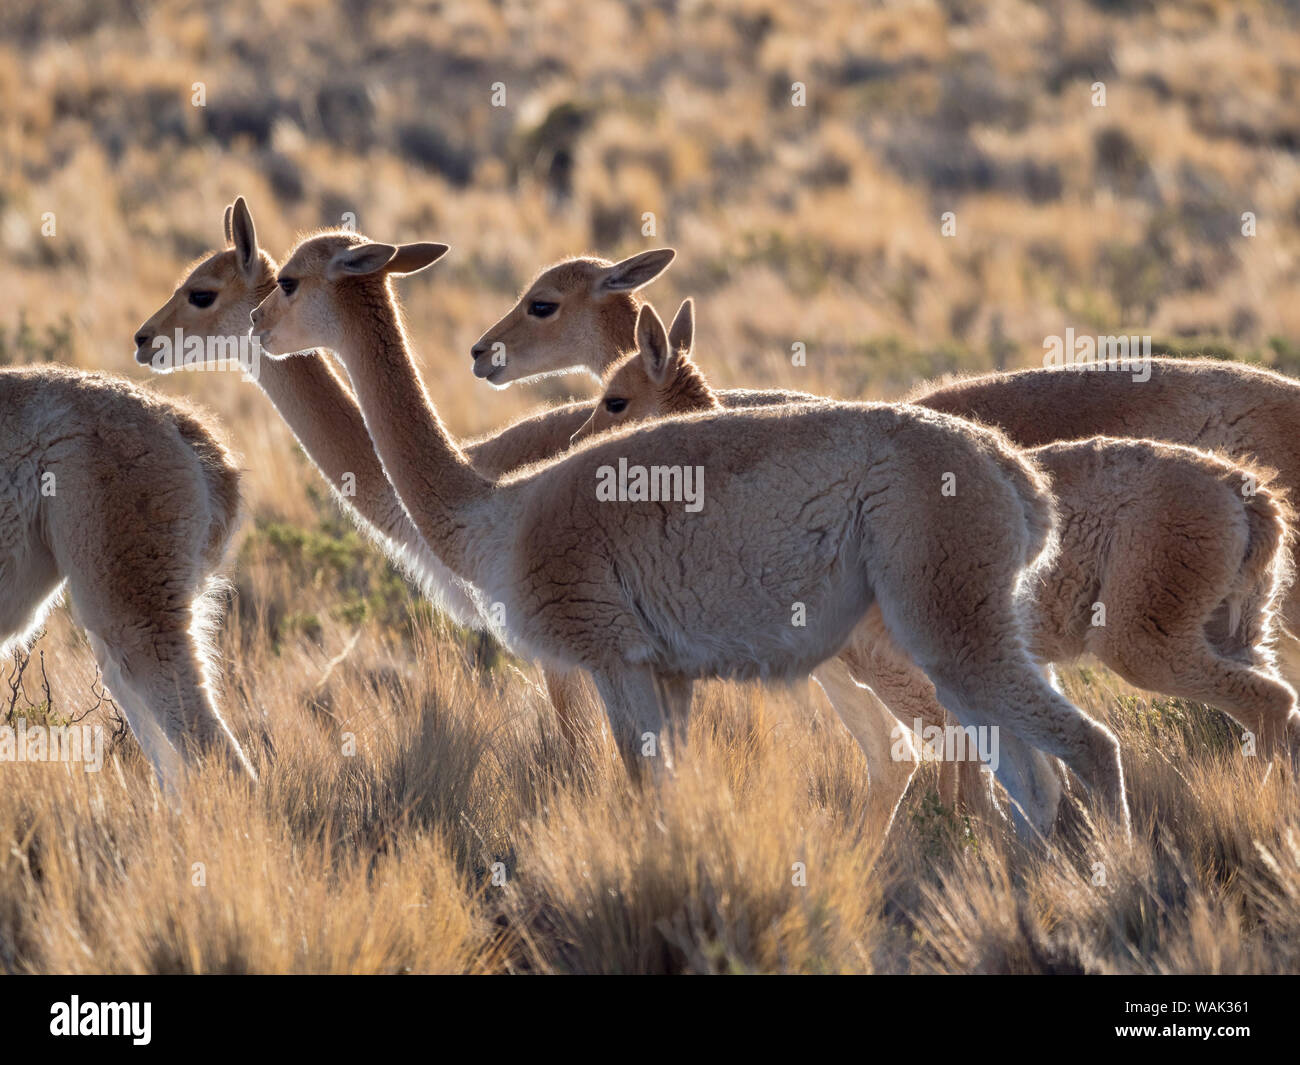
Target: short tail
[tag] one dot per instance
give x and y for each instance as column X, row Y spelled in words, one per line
column 1033, row 489
column 1266, row 570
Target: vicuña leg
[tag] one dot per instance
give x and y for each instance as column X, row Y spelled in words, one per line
column 29, row 586
column 887, row 743
column 1190, row 668
column 967, row 638
column 638, row 719
column 148, row 647
column 875, row 658
column 565, row 690
column 157, row 661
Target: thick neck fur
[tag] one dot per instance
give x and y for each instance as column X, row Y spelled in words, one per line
column 687, row 391
column 433, row 478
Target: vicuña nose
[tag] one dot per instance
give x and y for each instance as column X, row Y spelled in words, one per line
column 478, row 349
column 141, row 339
column 255, row 315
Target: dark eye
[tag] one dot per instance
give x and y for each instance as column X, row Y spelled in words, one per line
column 288, row 285
column 615, row 405
column 542, row 309
column 202, row 298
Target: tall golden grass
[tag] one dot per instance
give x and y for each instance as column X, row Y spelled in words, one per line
column 418, row 812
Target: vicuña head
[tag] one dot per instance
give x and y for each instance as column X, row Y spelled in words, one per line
column 657, row 379
column 217, row 294
column 336, row 265
column 571, row 311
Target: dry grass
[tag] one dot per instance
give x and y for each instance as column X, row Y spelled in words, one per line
column 459, row 836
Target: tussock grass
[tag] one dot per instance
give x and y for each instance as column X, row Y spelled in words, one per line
column 462, row 836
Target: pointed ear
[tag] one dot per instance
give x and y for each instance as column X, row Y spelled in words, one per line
column 225, row 224
column 412, row 258
column 245, row 238
column 631, row 274
column 359, row 261
column 681, row 334
column 652, row 344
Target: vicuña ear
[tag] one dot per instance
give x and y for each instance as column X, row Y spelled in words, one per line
column 244, row 235
column 225, row 224
column 631, row 274
column 412, row 258
column 652, row 344
column 359, row 261
column 681, row 334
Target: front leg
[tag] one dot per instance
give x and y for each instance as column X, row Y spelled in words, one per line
column 565, row 690
column 886, row 742
column 675, row 694
column 639, row 715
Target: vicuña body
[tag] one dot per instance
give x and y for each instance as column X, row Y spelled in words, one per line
column 1172, row 562
column 129, row 500
column 812, row 513
column 214, row 301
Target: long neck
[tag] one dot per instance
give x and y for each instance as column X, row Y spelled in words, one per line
column 322, row 413
column 432, row 476
column 616, row 333
column 324, row 418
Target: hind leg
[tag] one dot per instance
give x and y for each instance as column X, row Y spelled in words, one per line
column 874, row 658
column 968, row 640
column 167, row 761
column 1166, row 632
column 131, row 532
column 1013, row 698
column 1025, row 771
column 638, row 717
column 1185, row 665
column 886, row 743
column 565, row 689
column 154, row 669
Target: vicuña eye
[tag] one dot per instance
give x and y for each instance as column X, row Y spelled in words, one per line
column 616, row 406
column 542, row 309
column 202, row 298
column 288, row 285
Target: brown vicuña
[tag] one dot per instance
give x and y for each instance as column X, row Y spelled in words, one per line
column 214, row 302
column 817, row 510
column 129, row 500
column 1171, row 566
column 569, row 310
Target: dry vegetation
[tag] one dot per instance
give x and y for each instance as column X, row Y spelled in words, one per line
column 817, row 225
